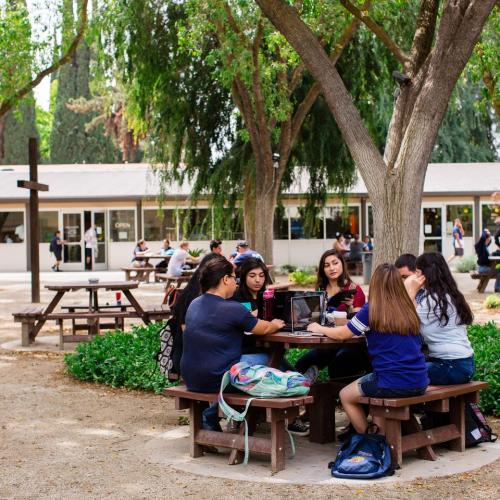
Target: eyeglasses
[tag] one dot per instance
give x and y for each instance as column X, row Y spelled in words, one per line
column 231, row 276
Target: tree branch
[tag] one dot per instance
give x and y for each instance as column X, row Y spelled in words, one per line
column 424, row 33
column 7, row 105
column 398, row 53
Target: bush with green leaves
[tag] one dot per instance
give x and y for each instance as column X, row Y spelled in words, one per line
column 492, row 302
column 120, row 359
column 301, row 278
column 195, row 252
column 466, row 264
column 485, row 340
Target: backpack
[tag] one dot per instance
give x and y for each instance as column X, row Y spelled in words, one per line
column 362, row 456
column 260, row 381
column 476, row 428
column 169, row 355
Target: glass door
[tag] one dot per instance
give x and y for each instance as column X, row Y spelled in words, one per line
column 73, row 236
column 432, row 226
column 99, row 260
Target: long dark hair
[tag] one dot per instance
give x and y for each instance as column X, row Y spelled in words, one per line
column 191, row 290
column 322, row 279
column 441, row 287
column 214, row 271
column 249, row 264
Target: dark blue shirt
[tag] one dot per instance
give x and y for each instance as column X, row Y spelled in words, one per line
column 397, row 359
column 212, row 340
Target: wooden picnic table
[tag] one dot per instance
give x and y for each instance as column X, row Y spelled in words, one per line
column 93, row 304
column 322, row 410
column 484, row 278
column 153, row 256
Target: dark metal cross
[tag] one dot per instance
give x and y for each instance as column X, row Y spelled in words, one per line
column 34, row 186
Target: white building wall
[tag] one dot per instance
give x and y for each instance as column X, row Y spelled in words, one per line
column 13, row 257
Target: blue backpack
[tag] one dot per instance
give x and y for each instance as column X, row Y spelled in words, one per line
column 363, row 456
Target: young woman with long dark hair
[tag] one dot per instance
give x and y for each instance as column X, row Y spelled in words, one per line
column 391, row 327
column 444, row 316
column 214, row 333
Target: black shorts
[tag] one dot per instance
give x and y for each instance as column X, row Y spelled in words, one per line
column 459, row 251
column 88, row 253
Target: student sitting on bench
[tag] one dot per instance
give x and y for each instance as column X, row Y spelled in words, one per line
column 391, row 327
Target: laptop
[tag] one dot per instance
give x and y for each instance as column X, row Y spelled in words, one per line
column 279, row 306
column 306, row 309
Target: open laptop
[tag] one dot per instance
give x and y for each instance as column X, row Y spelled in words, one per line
column 280, row 306
column 306, row 309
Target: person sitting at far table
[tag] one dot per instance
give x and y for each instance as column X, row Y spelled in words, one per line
column 244, row 252
column 167, row 251
column 405, row 264
column 367, row 244
column 216, row 246
column 140, row 250
column 179, row 259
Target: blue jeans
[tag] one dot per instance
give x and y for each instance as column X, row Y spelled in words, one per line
column 368, row 386
column 210, row 416
column 450, row 371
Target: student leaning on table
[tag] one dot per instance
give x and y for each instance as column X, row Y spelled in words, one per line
column 391, row 327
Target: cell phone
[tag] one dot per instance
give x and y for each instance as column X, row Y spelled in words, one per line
column 351, row 293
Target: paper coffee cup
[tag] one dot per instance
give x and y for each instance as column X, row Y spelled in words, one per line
column 340, row 318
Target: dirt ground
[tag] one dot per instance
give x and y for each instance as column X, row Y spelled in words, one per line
column 60, row 438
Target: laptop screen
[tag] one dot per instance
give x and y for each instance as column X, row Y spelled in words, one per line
column 305, row 309
column 279, row 306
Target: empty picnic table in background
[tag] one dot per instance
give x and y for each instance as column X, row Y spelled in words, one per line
column 484, row 278
column 142, row 273
column 33, row 319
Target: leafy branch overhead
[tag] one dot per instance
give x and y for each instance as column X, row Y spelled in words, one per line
column 15, row 40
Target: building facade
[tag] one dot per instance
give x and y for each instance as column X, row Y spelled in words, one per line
column 122, row 202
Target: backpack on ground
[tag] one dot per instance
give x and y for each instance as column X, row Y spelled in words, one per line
column 260, row 381
column 477, row 429
column 169, row 355
column 362, row 456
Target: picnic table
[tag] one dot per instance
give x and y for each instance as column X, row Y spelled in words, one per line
column 152, row 256
column 322, row 410
column 34, row 319
column 484, row 278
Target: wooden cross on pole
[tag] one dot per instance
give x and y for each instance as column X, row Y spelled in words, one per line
column 34, row 186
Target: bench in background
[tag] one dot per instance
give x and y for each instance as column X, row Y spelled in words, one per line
column 28, row 317
column 137, row 273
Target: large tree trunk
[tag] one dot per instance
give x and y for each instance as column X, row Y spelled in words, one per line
column 395, row 183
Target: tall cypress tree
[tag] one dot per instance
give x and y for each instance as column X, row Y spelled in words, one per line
column 18, row 125
column 69, row 141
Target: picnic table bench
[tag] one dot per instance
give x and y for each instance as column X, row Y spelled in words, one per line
column 484, row 278
column 133, row 273
column 404, row 432
column 28, row 318
column 277, row 412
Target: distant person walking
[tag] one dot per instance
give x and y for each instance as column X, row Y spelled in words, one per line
column 458, row 240
column 90, row 238
column 56, row 248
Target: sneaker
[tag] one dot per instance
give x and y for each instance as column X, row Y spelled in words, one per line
column 59, row 270
column 298, row 428
column 53, row 268
column 311, row 373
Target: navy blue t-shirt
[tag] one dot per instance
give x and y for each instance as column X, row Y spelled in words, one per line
column 212, row 340
column 397, row 359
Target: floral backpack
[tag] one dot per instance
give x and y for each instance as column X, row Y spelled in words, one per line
column 260, row 381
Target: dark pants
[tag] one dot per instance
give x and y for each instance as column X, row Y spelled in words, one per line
column 450, row 371
column 345, row 362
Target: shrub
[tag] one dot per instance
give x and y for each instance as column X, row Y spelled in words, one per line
column 286, row 269
column 302, row 278
column 466, row 264
column 195, row 252
column 485, row 340
column 492, row 302
column 120, row 359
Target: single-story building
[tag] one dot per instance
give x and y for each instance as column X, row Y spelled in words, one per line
column 122, row 201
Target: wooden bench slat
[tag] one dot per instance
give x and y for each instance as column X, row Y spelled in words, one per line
column 433, row 393
column 91, row 315
column 233, row 441
column 437, row 435
column 238, row 399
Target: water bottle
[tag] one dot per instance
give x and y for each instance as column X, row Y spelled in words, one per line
column 268, row 313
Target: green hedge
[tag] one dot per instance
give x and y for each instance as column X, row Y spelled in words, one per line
column 126, row 360
column 120, row 359
column 485, row 340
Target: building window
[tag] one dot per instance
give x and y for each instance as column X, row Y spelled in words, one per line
column 11, row 227
column 490, row 213
column 463, row 212
column 49, row 224
column 280, row 226
column 305, row 226
column 122, row 225
column 159, row 224
column 229, row 224
column 341, row 220
column 195, row 224
column 370, row 220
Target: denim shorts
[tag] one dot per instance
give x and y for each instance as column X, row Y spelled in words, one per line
column 450, row 371
column 368, row 386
